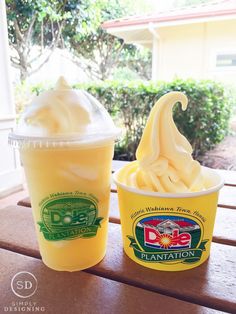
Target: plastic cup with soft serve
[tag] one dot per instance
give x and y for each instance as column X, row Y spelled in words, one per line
column 66, row 143
column 167, row 200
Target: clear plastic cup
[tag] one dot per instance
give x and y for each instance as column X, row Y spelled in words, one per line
column 68, row 176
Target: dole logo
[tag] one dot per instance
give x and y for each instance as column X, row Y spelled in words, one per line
column 153, row 238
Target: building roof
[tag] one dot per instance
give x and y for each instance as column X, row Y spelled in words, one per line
column 221, row 9
column 143, row 28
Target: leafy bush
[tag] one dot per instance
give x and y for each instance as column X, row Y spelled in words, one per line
column 204, row 123
column 24, row 93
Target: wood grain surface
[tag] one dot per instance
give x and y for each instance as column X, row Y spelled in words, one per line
column 117, row 284
column 211, row 284
column 80, row 292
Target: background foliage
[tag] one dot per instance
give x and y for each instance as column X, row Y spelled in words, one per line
column 37, row 28
column 204, row 123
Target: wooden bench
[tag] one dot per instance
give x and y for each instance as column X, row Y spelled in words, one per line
column 117, row 284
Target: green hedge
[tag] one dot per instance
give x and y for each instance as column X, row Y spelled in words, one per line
column 204, row 123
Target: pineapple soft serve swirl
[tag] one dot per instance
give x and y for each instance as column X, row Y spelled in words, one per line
column 66, row 113
column 164, row 156
column 66, row 143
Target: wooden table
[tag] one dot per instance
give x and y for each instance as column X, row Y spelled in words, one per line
column 117, row 284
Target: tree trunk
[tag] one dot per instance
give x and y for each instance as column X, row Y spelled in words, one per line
column 24, row 66
column 23, row 74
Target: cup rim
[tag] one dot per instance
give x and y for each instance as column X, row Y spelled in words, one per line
column 212, row 189
column 21, row 142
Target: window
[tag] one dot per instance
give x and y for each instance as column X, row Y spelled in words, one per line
column 226, row 60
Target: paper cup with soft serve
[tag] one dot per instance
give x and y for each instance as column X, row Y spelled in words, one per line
column 167, row 200
column 66, row 142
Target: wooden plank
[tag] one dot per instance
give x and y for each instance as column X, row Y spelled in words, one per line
column 114, row 214
column 212, row 284
column 113, row 187
column 16, row 228
column 80, row 292
column 227, row 197
column 13, row 198
column 225, row 226
column 228, row 175
column 25, row 202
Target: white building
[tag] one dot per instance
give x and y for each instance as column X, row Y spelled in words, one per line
column 197, row 42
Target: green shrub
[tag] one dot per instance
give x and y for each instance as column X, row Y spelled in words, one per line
column 204, row 123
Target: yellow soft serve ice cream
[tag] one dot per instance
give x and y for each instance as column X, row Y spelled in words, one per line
column 164, row 156
column 59, row 111
column 65, row 113
column 66, row 142
column 167, row 201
